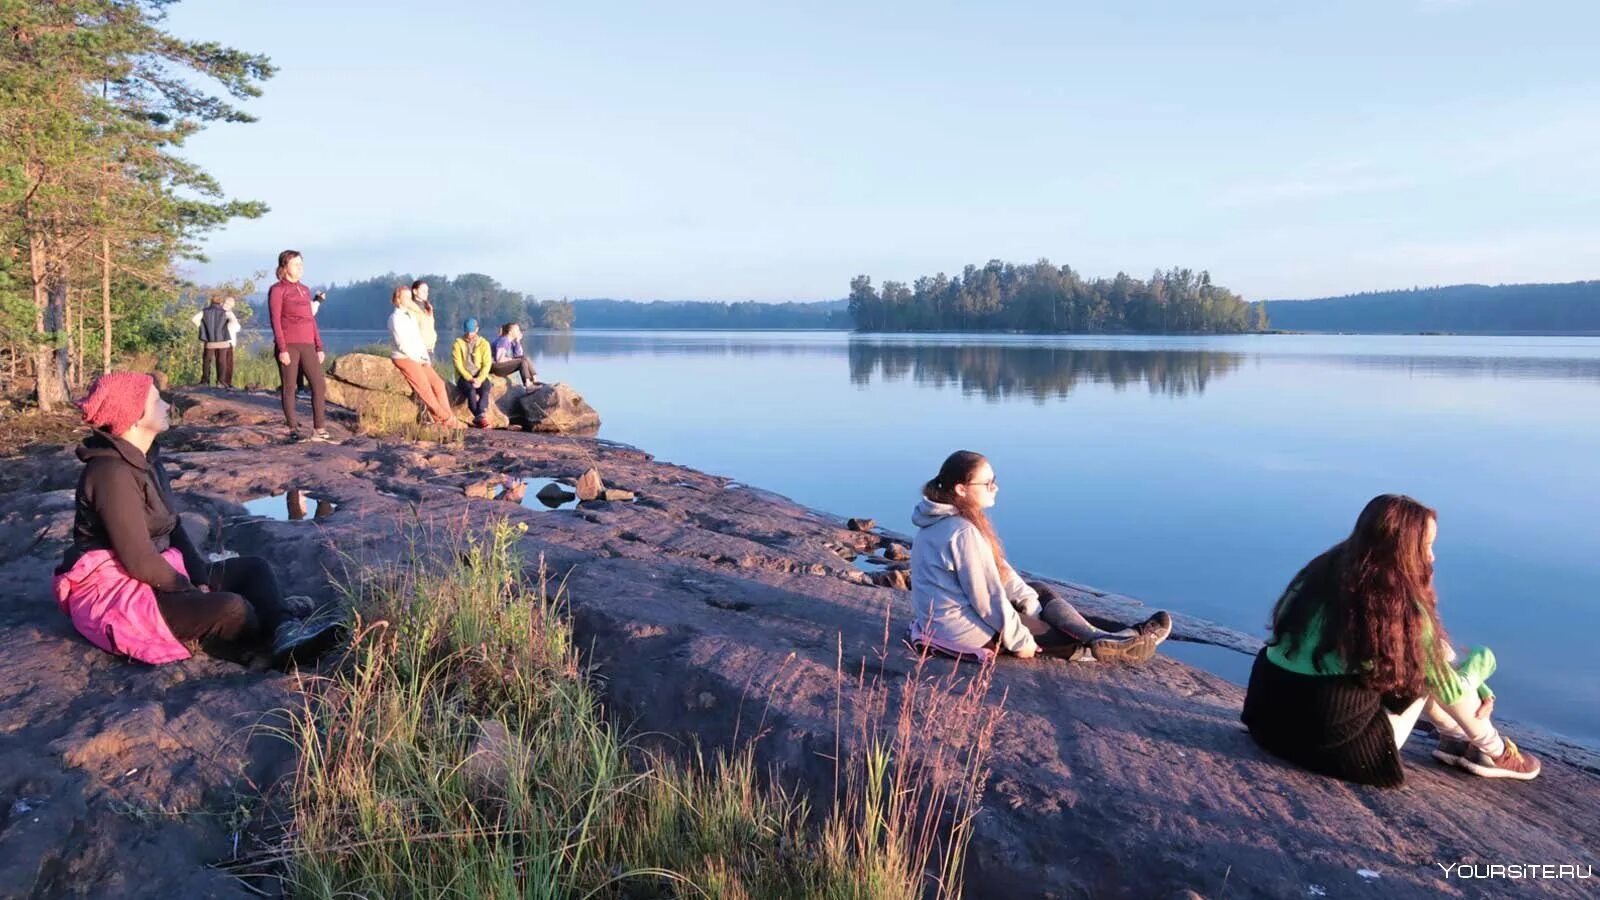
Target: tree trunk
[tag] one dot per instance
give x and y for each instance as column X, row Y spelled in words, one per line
column 50, row 389
column 105, row 302
column 74, row 370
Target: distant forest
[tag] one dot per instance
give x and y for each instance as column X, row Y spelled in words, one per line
column 1498, row 309
column 1044, row 298
column 366, row 304
column 605, row 313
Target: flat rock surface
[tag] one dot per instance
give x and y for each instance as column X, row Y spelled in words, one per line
column 711, row 612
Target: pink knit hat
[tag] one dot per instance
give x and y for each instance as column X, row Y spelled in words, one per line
column 116, row 401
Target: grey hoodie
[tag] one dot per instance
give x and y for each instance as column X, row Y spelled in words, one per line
column 960, row 598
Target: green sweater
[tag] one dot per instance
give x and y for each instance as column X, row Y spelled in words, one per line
column 1446, row 684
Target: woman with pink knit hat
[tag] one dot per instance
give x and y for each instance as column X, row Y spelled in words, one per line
column 133, row 582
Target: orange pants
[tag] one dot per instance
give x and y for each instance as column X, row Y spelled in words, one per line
column 429, row 388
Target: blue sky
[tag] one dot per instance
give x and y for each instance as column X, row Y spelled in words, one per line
column 729, row 151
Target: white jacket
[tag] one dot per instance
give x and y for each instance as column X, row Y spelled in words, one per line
column 407, row 336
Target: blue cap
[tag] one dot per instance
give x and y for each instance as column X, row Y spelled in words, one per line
column 471, row 325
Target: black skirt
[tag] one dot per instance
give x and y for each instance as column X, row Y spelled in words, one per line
column 1330, row 724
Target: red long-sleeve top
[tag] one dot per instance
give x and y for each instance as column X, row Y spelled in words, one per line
column 289, row 303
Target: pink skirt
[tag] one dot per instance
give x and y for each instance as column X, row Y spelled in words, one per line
column 117, row 613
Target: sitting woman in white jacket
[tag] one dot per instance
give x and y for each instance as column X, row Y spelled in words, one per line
column 966, row 599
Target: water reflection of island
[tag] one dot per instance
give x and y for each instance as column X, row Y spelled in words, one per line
column 1039, row 372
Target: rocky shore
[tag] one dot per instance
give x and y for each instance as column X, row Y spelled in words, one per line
column 711, row 612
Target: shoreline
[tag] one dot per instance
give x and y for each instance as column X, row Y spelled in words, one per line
column 713, row 614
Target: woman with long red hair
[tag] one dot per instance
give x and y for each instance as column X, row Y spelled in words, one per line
column 967, row 600
column 1358, row 654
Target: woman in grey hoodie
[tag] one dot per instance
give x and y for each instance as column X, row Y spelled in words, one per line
column 967, row 600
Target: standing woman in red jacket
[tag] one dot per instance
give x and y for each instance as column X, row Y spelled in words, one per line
column 297, row 342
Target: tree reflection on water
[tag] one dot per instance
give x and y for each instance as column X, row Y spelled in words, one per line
column 1040, row 372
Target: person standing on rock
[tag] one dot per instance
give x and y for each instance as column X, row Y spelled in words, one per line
column 219, row 330
column 410, row 356
column 470, row 355
column 297, row 343
column 509, row 357
column 967, row 600
column 132, row 580
column 1358, row 654
column 424, row 314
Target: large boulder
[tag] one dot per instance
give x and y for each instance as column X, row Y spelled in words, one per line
column 369, row 371
column 372, row 386
column 557, row 409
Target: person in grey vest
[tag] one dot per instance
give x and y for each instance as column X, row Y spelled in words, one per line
column 219, row 330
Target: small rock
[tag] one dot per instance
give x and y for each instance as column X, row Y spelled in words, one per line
column 488, row 765
column 861, row 524
column 896, row 552
column 482, row 490
column 553, row 495
column 898, row 579
column 589, row 485
column 514, row 492
column 616, row 495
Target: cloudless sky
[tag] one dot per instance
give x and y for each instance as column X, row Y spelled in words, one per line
column 764, row 151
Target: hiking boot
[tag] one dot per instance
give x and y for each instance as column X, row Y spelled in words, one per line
column 321, row 436
column 1155, row 629
column 1511, row 763
column 301, row 641
column 1451, row 750
column 298, row 606
column 296, row 436
column 1122, row 648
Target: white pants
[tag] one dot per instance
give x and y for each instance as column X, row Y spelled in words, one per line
column 1458, row 720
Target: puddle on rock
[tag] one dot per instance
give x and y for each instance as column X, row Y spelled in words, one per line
column 293, row 505
column 544, row 494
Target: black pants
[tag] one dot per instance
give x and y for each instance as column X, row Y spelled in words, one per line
column 302, row 361
column 220, row 360
column 243, row 605
column 477, row 397
column 515, row 364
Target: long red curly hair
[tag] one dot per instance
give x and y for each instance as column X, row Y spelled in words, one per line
column 1375, row 592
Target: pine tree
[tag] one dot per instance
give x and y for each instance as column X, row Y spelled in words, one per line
column 95, row 101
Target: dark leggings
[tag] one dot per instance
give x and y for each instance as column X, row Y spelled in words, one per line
column 1063, row 617
column 302, row 361
column 244, row 602
column 520, row 364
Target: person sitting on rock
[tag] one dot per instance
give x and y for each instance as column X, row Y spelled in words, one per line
column 967, row 600
column 411, row 358
column 470, row 354
column 1358, row 653
column 133, row 582
column 508, row 355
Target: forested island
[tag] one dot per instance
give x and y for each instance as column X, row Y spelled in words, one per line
column 1479, row 308
column 1044, row 298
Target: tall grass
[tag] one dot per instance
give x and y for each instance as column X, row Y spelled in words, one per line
column 461, row 752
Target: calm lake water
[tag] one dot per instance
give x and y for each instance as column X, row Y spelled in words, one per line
column 1195, row 473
